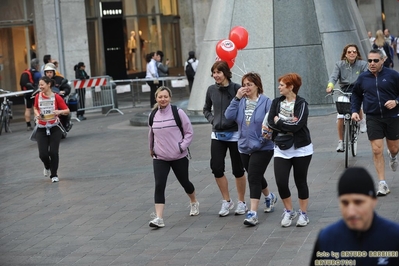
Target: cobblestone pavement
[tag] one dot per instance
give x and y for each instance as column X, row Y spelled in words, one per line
column 98, row 213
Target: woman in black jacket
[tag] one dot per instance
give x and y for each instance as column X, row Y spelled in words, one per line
column 288, row 117
column 224, row 137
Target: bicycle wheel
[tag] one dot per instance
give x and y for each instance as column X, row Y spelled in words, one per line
column 355, row 134
column 2, row 121
column 346, row 141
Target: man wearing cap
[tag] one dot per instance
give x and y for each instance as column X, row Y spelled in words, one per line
column 361, row 237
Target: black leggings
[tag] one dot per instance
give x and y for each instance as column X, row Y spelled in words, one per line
column 218, row 155
column 256, row 164
column 161, row 171
column 282, row 168
column 48, row 148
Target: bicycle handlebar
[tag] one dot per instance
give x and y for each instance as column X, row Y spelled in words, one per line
column 340, row 91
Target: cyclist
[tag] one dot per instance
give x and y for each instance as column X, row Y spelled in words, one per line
column 62, row 88
column 346, row 72
column 35, row 74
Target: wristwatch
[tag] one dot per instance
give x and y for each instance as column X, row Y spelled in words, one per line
column 236, row 98
column 397, row 102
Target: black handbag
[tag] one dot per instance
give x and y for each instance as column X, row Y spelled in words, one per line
column 284, row 141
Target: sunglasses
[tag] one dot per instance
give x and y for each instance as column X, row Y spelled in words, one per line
column 351, row 52
column 373, row 60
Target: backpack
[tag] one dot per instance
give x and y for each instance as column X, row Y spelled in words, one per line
column 176, row 116
column 73, row 102
column 26, row 77
column 190, row 73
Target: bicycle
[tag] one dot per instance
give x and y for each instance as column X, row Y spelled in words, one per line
column 351, row 127
column 6, row 112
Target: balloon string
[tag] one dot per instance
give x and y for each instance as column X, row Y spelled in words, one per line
column 236, row 74
column 241, row 69
column 245, row 69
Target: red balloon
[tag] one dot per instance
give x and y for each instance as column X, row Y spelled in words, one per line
column 239, row 35
column 230, row 63
column 226, row 50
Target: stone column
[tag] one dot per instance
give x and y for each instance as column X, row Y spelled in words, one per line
column 302, row 36
column 73, row 32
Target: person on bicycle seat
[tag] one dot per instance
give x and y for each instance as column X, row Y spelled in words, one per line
column 346, row 72
column 62, row 88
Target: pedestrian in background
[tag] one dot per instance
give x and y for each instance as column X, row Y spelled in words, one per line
column 224, row 137
column 361, row 236
column 80, row 73
column 163, row 69
column 248, row 109
column 152, row 73
column 381, row 44
column 169, row 149
column 378, row 90
column 49, row 107
column 46, row 59
column 345, row 73
column 288, row 117
column 31, row 75
column 190, row 67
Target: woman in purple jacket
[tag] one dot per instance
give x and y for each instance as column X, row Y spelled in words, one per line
column 168, row 148
column 248, row 109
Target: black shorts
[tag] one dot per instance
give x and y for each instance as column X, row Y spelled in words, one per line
column 379, row 128
column 28, row 100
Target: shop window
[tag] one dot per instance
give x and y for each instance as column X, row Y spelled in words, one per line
column 168, row 7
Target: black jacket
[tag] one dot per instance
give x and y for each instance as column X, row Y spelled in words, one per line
column 299, row 127
column 81, row 74
column 220, row 98
column 61, row 84
column 374, row 91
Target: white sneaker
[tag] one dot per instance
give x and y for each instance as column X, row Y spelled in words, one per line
column 54, row 179
column 46, row 172
column 303, row 219
column 340, row 147
column 241, row 208
column 156, row 222
column 383, row 189
column 363, row 126
column 270, row 202
column 251, row 219
column 393, row 162
column 194, row 211
column 288, row 216
column 226, row 207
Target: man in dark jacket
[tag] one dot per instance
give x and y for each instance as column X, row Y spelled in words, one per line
column 361, row 237
column 378, row 90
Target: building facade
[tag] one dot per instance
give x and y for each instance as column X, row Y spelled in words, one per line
column 113, row 37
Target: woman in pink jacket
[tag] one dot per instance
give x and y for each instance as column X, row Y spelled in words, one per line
column 169, row 149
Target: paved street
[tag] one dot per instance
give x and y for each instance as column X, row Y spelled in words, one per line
column 98, row 213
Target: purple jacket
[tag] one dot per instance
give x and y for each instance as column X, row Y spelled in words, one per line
column 164, row 137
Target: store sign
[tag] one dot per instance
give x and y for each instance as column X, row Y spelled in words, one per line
column 111, row 9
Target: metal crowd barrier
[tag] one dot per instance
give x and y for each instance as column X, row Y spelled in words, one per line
column 137, row 86
column 99, row 93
